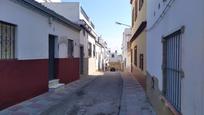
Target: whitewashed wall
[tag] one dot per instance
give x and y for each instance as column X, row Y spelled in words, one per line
column 190, row 14
column 69, row 10
column 92, row 41
column 33, row 30
column 98, row 55
column 125, row 53
column 116, row 58
column 72, row 11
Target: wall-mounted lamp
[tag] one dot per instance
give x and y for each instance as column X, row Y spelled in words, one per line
column 119, row 23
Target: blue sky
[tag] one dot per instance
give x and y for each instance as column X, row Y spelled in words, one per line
column 104, row 14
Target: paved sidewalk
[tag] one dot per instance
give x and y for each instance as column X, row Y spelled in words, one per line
column 106, row 94
column 37, row 105
column 134, row 100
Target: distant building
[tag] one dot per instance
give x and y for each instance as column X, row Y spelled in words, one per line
column 101, row 55
column 126, row 54
column 115, row 61
column 175, row 62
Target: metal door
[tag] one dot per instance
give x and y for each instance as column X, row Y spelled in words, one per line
column 172, row 72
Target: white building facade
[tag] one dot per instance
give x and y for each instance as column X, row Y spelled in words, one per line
column 101, row 56
column 114, row 61
column 36, row 45
column 38, row 39
column 88, row 36
column 126, row 54
column 175, row 53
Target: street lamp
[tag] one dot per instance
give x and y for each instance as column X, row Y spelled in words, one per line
column 119, row 23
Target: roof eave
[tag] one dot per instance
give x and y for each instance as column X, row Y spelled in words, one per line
column 49, row 12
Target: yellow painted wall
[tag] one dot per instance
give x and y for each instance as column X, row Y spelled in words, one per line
column 140, row 42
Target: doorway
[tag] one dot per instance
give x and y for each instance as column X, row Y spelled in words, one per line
column 51, row 61
column 81, row 59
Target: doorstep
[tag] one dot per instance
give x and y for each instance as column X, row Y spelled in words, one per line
column 54, row 85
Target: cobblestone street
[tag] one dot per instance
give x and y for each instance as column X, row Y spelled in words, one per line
column 109, row 94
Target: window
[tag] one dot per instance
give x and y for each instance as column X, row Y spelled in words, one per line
column 142, row 61
column 135, row 10
column 84, row 32
column 159, row 6
column 172, row 72
column 94, row 50
column 112, row 56
column 135, row 55
column 7, row 40
column 131, row 54
column 131, row 59
column 70, row 48
column 133, row 16
column 90, row 49
column 141, row 2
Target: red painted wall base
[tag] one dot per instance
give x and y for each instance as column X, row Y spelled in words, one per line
column 68, row 70
column 21, row 80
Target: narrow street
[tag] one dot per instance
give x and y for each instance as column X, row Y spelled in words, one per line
column 100, row 97
column 113, row 93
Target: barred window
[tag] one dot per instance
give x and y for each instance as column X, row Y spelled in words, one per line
column 84, row 32
column 172, row 69
column 141, row 4
column 90, row 49
column 135, row 55
column 7, row 40
column 133, row 17
column 136, row 10
column 70, row 48
column 142, row 61
column 94, row 50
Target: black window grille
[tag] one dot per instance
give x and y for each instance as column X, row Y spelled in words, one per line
column 90, row 49
column 142, row 61
column 141, row 2
column 135, row 55
column 136, row 10
column 7, row 40
column 94, row 50
column 70, row 48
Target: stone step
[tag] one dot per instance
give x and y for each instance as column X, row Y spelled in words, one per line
column 57, row 87
column 53, row 82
